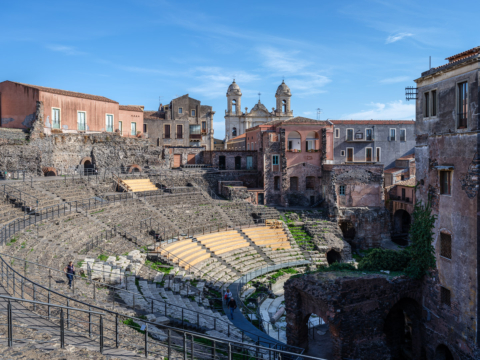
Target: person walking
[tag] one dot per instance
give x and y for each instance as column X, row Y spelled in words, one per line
column 227, row 296
column 232, row 304
column 69, row 271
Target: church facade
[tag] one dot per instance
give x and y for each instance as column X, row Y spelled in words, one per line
column 237, row 121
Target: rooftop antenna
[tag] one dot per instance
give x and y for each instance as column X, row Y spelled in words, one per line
column 319, row 111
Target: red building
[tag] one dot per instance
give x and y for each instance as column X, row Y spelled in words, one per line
column 66, row 111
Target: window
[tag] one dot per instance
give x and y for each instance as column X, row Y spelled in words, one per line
column 462, row 105
column 144, row 128
column 369, row 134
column 234, row 132
column 55, row 118
column 193, row 112
column 81, row 120
column 342, row 153
column 284, row 106
column 294, row 183
column 167, row 132
column 378, row 154
column 310, row 183
column 403, row 135
column 341, row 190
column 234, row 106
column 252, row 147
column 368, row 154
column 180, row 110
column 310, row 145
column 445, row 183
column 120, row 128
column 276, row 183
column 204, row 126
column 349, row 134
column 434, row 102
column 194, row 129
column 445, row 245
column 337, row 133
column 134, row 129
column 358, row 136
column 249, row 162
column 109, row 122
column 445, row 296
column 275, row 159
column 393, row 135
column 403, row 193
column 426, row 104
column 179, row 131
column 248, row 146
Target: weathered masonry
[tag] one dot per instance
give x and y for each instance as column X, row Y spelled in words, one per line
column 448, row 164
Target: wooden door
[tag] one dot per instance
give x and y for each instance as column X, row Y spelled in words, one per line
column 191, row 159
column 177, row 161
column 350, row 155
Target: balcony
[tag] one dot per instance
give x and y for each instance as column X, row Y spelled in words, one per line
column 196, row 136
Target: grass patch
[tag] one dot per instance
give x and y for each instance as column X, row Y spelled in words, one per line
column 102, row 257
column 158, row 266
column 97, row 212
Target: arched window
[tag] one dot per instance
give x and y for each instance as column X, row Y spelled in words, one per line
column 284, row 106
column 234, row 106
column 294, row 141
column 234, row 132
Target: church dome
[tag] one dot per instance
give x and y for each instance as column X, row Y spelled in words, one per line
column 283, row 90
column 234, row 89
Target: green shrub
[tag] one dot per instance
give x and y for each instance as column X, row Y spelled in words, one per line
column 382, row 259
column 336, row 266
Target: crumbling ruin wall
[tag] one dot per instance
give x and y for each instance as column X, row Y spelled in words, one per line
column 327, row 236
column 360, row 312
column 302, row 196
column 372, row 226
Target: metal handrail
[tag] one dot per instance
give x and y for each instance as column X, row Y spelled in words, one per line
column 21, row 192
column 236, row 343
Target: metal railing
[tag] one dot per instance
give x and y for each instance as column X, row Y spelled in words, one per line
column 43, row 298
column 22, row 196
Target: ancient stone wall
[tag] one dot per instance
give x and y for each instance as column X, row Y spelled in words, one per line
column 363, row 313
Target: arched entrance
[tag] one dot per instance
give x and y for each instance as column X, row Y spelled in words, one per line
column 333, row 256
column 319, row 338
column 443, row 353
column 401, row 226
column 49, row 171
column 134, row 169
column 294, row 141
column 348, row 230
column 402, row 330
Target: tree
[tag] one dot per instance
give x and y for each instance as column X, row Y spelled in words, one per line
column 421, row 234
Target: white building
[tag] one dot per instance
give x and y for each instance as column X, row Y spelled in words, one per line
column 236, row 121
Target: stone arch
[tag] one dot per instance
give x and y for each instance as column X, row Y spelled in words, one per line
column 402, row 329
column 49, row 171
column 333, row 256
column 401, row 221
column 87, row 160
column 443, row 353
column 294, row 141
column 134, row 168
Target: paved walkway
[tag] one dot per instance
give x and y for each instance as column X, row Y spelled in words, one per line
column 38, row 323
column 239, row 320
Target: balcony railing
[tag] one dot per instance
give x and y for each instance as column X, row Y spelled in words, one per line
column 195, row 136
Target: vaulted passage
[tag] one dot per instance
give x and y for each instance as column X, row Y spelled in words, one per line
column 402, row 330
column 401, row 227
column 333, row 256
column 443, row 353
column 348, row 230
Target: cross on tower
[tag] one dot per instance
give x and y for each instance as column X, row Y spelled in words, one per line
column 259, row 96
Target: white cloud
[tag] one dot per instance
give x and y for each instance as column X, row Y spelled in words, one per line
column 395, row 110
column 397, row 37
column 282, row 61
column 395, row 80
column 307, row 113
column 67, row 50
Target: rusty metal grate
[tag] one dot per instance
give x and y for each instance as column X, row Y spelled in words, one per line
column 446, row 245
column 445, row 296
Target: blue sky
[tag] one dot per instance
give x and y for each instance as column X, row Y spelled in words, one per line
column 352, row 59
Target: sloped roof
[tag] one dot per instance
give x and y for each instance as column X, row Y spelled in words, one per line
column 237, row 137
column 409, row 182
column 407, row 157
column 464, row 54
column 373, row 122
column 153, row 115
column 131, row 107
column 67, row 93
column 394, row 170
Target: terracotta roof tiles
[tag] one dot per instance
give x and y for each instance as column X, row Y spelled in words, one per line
column 68, row 93
column 131, row 107
column 393, row 170
column 373, row 122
